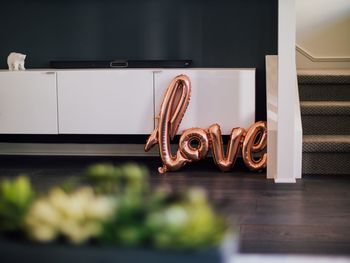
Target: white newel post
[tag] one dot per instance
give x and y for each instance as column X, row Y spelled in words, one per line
column 288, row 159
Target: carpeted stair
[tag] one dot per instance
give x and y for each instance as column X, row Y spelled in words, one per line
column 325, row 113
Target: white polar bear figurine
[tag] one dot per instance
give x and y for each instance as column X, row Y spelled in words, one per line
column 15, row 61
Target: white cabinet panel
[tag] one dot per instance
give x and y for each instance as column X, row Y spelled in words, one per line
column 105, row 101
column 28, row 102
column 223, row 96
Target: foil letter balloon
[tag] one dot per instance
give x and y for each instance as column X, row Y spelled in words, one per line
column 225, row 163
column 194, row 135
column 172, row 110
column 195, row 143
column 255, row 141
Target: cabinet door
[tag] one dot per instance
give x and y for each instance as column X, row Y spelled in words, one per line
column 223, row 96
column 28, row 102
column 105, row 101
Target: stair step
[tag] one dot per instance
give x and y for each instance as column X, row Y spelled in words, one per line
column 325, row 107
column 322, row 85
column 326, row 154
column 324, row 79
column 326, row 163
column 325, row 117
column 326, row 143
column 324, row 92
column 324, row 76
column 326, row 124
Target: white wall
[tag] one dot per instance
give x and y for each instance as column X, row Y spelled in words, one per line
column 323, row 32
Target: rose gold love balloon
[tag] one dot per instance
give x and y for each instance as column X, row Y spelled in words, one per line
column 172, row 110
column 194, row 135
column 255, row 141
column 225, row 162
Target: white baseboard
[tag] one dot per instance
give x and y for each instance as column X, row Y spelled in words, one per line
column 72, row 149
column 85, row 149
column 313, row 58
column 304, row 62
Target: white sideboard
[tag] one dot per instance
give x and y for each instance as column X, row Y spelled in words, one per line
column 105, row 102
column 28, row 102
column 120, row 101
column 223, row 96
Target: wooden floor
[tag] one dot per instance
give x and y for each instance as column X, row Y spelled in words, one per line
column 309, row 217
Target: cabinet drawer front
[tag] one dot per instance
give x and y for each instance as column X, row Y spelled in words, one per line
column 223, row 96
column 28, row 102
column 105, row 102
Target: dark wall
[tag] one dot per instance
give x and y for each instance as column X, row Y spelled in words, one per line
column 213, row 33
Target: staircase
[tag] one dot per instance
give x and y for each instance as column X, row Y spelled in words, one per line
column 325, row 113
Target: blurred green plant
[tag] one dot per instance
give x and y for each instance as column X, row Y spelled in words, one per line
column 126, row 179
column 129, row 182
column 159, row 218
column 188, row 222
column 117, row 207
column 16, row 197
column 77, row 216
